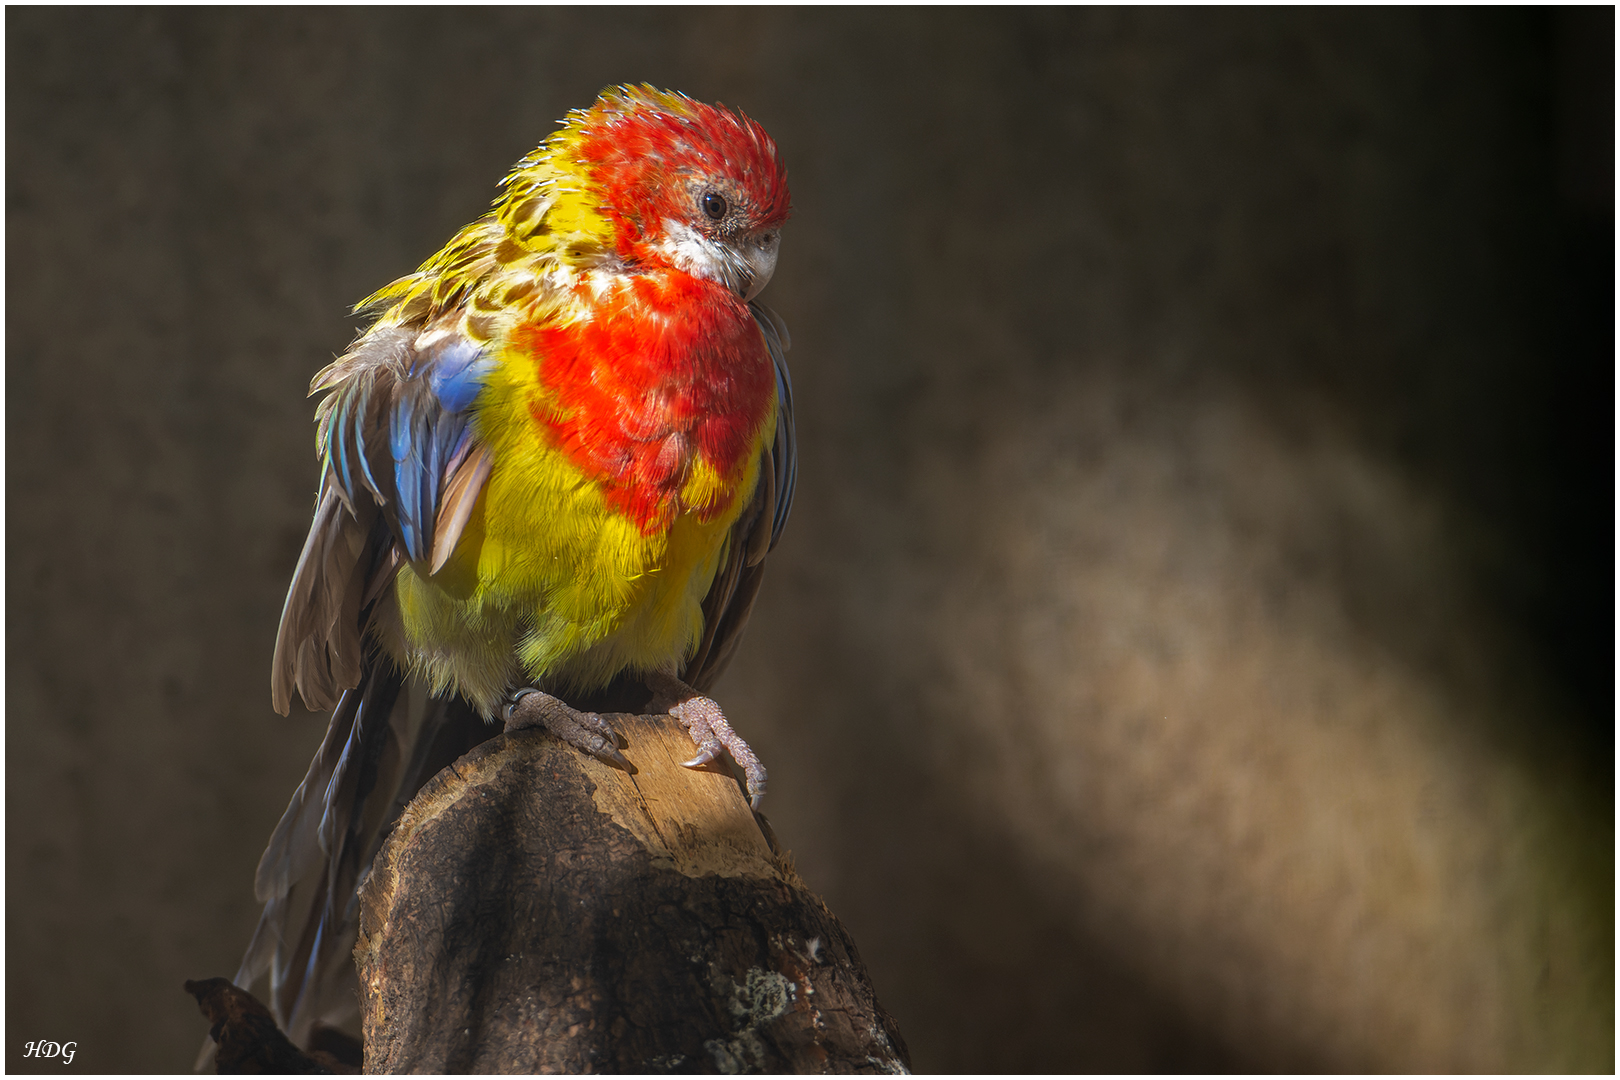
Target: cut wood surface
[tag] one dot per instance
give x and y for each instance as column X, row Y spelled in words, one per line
column 536, row 910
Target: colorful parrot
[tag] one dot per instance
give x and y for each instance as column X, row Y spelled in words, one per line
column 554, row 465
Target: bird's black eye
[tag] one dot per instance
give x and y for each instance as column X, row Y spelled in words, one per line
column 714, row 206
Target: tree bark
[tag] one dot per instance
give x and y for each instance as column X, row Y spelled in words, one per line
column 247, row 1040
column 536, row 910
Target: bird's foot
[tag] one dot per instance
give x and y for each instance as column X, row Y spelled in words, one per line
column 586, row 731
column 703, row 720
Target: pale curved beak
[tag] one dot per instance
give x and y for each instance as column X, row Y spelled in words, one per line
column 760, row 255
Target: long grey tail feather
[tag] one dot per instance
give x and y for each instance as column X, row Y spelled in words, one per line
column 385, row 740
column 312, row 974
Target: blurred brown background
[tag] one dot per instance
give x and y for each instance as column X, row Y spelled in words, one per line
column 1192, row 648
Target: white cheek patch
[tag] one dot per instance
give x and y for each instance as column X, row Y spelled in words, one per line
column 691, row 251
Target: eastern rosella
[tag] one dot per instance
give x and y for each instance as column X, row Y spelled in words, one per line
column 553, row 463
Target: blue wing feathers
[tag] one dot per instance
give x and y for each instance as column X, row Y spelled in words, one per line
column 459, row 454
column 340, row 422
column 365, row 462
column 458, row 374
column 400, row 435
column 407, row 470
column 418, row 403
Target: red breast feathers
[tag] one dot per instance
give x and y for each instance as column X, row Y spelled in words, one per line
column 657, row 363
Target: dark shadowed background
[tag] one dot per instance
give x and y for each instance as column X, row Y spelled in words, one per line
column 1193, row 644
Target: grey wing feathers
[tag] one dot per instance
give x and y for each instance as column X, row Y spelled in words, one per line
column 730, row 599
column 785, row 448
column 318, row 644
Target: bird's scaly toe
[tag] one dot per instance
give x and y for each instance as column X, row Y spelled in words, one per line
column 586, row 731
column 711, row 732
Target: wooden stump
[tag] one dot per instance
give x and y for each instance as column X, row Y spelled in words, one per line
column 538, row 911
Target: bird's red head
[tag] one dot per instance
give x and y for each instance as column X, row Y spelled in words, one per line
column 673, row 169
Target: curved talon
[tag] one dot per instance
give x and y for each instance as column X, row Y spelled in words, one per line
column 707, row 724
column 517, row 696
